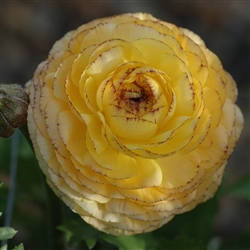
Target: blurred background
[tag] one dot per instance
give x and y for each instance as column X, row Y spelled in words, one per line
column 30, row 28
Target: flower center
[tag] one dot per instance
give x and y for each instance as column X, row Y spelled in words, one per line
column 136, row 97
column 133, row 102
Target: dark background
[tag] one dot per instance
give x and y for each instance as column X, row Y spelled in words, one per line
column 30, row 28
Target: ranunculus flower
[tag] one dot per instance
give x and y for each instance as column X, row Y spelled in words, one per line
column 133, row 120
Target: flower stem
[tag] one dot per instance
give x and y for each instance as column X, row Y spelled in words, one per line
column 13, row 170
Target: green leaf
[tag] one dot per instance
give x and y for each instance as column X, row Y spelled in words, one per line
column 137, row 242
column 19, row 247
column 77, row 231
column 91, row 242
column 4, row 247
column 148, row 241
column 7, row 233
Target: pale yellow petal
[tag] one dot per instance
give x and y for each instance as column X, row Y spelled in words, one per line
column 98, row 34
column 75, row 99
column 47, row 151
column 80, row 63
column 193, row 36
column 117, row 166
column 53, row 110
column 215, row 145
column 214, row 104
column 231, row 88
column 73, row 134
column 184, row 92
column 149, row 175
column 200, row 133
column 132, row 31
column 178, row 171
column 174, row 67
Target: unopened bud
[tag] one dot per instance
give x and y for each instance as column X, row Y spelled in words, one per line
column 14, row 103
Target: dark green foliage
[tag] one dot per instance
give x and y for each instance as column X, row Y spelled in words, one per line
column 77, row 230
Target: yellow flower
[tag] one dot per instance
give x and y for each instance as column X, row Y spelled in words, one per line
column 133, row 121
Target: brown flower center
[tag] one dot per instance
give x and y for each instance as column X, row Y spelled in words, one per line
column 135, row 101
column 136, row 96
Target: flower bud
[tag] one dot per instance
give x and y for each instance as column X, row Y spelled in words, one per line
column 14, row 103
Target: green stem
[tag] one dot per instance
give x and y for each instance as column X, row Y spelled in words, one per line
column 54, row 205
column 12, row 188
